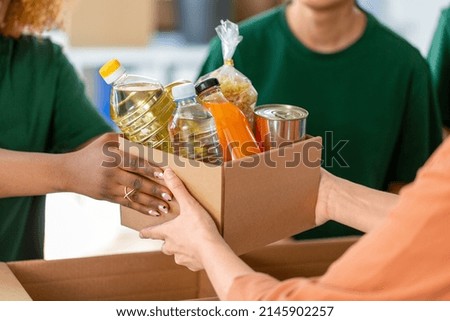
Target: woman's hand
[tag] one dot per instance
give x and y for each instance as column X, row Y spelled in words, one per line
column 101, row 171
column 187, row 234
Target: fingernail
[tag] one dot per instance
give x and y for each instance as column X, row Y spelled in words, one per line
column 168, row 173
column 166, row 197
column 153, row 213
column 159, row 175
column 141, row 235
column 163, row 208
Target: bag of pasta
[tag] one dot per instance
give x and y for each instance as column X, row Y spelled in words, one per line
column 236, row 87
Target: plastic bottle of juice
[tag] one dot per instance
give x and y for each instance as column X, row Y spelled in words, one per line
column 235, row 134
column 192, row 129
column 141, row 107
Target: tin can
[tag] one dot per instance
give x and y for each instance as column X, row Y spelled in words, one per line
column 277, row 125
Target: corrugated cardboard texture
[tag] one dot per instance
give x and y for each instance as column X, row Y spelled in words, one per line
column 10, row 288
column 306, row 258
column 112, row 22
column 154, row 276
column 142, row 276
column 254, row 201
column 272, row 200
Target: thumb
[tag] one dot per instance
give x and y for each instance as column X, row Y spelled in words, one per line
column 153, row 232
column 177, row 187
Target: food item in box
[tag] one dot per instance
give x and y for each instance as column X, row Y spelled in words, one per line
column 235, row 134
column 140, row 106
column 242, row 94
column 192, row 128
column 277, row 125
column 236, row 87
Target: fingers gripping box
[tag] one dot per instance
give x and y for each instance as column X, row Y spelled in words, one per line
column 254, row 201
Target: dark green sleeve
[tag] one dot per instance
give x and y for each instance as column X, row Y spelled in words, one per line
column 75, row 119
column 421, row 131
column 439, row 60
column 214, row 59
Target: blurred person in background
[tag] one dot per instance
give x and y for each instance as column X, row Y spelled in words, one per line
column 404, row 255
column 368, row 92
column 439, row 60
column 51, row 136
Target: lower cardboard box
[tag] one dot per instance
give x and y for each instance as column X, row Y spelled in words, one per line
column 254, row 201
column 153, row 276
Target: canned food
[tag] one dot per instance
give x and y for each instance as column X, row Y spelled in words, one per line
column 277, row 125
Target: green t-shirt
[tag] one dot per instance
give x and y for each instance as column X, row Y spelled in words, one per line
column 372, row 102
column 439, row 60
column 43, row 109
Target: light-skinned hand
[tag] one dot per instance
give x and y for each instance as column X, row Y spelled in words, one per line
column 185, row 235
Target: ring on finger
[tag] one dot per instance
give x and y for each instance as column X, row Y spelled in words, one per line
column 128, row 193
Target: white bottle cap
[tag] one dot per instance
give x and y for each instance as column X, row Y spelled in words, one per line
column 183, row 91
column 111, row 71
column 115, row 75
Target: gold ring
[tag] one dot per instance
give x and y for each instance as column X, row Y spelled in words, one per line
column 128, row 193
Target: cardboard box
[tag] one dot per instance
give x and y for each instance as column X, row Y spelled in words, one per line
column 153, row 275
column 112, row 23
column 244, row 9
column 166, row 15
column 254, row 201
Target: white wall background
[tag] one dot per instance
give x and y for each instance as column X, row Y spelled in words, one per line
column 415, row 20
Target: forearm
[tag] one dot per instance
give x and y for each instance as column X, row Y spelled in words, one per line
column 25, row 173
column 348, row 203
column 355, row 205
column 222, row 266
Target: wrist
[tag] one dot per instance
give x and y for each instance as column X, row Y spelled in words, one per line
column 211, row 245
column 63, row 172
column 325, row 206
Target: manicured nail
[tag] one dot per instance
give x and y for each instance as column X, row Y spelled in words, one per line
column 166, row 197
column 163, row 208
column 153, row 213
column 159, row 175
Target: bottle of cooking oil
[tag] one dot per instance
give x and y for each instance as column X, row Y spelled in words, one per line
column 192, row 129
column 235, row 135
column 141, row 107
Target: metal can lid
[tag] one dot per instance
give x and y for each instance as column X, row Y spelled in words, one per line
column 281, row 112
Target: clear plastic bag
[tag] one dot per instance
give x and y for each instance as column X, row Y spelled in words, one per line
column 236, row 87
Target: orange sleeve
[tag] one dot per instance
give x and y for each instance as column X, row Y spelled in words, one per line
column 407, row 257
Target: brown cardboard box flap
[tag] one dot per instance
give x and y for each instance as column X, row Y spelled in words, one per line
column 305, row 258
column 275, row 198
column 10, row 287
column 140, row 276
column 153, row 275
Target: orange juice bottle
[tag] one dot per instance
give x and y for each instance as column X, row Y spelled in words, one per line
column 233, row 129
